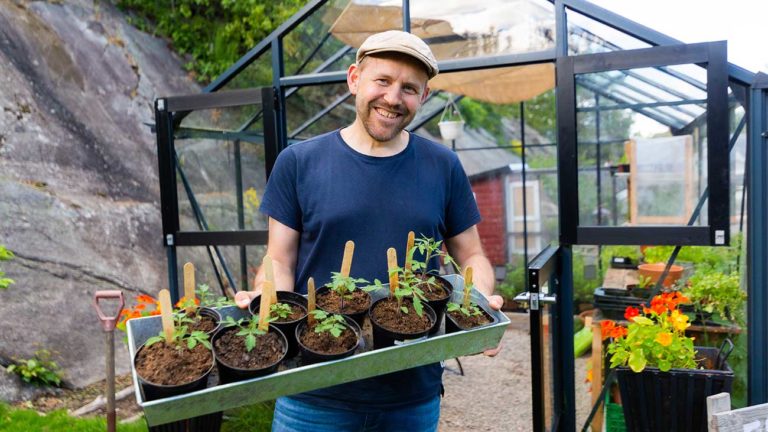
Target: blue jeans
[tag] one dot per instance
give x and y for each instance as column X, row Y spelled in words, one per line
column 296, row 416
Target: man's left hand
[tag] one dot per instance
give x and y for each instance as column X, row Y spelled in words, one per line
column 495, row 302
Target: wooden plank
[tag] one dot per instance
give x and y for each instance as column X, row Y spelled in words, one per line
column 597, row 371
column 721, row 418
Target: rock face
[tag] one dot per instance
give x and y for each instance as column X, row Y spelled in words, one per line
column 79, row 198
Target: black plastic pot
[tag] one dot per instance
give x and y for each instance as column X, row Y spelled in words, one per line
column 228, row 374
column 213, row 313
column 439, row 305
column 359, row 317
column 288, row 327
column 309, row 356
column 383, row 337
column 451, row 326
column 152, row 391
column 675, row 400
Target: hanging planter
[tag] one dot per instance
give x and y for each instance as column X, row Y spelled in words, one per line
column 451, row 122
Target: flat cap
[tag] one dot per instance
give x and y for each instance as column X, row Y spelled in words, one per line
column 402, row 42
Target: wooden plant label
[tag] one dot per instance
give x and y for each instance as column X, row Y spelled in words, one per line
column 269, row 276
column 189, row 286
column 408, row 247
column 392, row 267
column 166, row 313
column 346, row 262
column 310, row 302
column 467, row 286
column 266, row 294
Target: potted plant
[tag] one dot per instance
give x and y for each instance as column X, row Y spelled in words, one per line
column 244, row 350
column 344, row 294
column 436, row 290
column 403, row 315
column 176, row 361
column 468, row 314
column 201, row 318
column 663, row 379
column 718, row 293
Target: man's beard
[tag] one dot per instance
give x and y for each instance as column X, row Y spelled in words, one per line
column 384, row 133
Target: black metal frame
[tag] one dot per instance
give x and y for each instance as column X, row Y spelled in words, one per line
column 712, row 54
column 168, row 114
column 547, row 268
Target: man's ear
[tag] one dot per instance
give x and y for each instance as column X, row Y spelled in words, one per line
column 425, row 95
column 353, row 78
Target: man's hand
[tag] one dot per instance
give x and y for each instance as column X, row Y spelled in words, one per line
column 244, row 298
column 495, row 302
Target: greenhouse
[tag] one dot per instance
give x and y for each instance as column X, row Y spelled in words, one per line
column 586, row 137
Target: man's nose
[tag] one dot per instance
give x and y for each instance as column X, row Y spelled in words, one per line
column 392, row 96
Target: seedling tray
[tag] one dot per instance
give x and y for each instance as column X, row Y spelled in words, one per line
column 294, row 378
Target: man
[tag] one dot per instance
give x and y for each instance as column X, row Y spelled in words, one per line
column 371, row 182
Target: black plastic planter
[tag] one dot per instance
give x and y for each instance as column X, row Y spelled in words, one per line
column 309, row 356
column 439, row 305
column 451, row 326
column 288, row 327
column 383, row 338
column 228, row 374
column 675, row 400
column 213, row 313
column 359, row 317
column 151, row 391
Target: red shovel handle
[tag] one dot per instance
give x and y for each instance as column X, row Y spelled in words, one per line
column 108, row 322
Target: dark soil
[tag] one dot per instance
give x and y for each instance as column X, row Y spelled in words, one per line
column 438, row 290
column 230, row 349
column 297, row 312
column 325, row 343
column 330, row 301
column 387, row 314
column 203, row 323
column 472, row 321
column 165, row 364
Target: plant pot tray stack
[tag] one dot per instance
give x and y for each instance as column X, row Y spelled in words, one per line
column 294, row 378
column 613, row 302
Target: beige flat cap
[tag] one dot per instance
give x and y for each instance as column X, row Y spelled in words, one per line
column 402, row 42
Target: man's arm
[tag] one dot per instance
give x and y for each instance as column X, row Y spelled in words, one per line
column 283, row 248
column 467, row 250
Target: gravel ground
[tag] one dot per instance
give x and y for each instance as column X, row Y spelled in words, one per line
column 494, row 394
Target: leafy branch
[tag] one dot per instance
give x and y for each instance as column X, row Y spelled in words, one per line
column 181, row 335
column 5, row 255
column 344, row 286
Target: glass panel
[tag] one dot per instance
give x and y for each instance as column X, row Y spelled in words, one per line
column 641, row 147
column 210, row 167
column 458, row 29
column 319, row 109
column 230, row 262
column 586, row 36
column 256, row 74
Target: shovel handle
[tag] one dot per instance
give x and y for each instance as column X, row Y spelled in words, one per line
column 108, row 322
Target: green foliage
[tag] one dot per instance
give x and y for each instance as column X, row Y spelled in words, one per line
column 39, row 370
column 514, row 283
column 14, row 420
column 344, row 286
column 608, row 252
column 248, row 329
column 257, row 417
column 714, row 258
column 214, row 34
column 329, row 323
column 280, row 310
column 719, row 293
column 407, row 288
column 208, row 298
column 181, row 334
column 5, row 255
column 472, row 310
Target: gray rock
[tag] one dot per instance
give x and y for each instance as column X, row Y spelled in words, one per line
column 13, row 389
column 79, row 199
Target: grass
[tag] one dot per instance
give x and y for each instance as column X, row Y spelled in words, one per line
column 251, row 418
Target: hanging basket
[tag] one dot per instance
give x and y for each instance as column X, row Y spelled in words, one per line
column 451, row 128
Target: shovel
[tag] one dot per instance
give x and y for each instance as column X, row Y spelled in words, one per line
column 108, row 324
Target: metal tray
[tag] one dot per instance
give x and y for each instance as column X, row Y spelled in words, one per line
column 294, row 378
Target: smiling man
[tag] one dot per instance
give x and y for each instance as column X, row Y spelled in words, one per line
column 371, row 182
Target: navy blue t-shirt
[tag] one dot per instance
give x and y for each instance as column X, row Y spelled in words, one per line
column 330, row 193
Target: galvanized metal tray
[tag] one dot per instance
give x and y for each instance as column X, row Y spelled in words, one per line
column 293, row 378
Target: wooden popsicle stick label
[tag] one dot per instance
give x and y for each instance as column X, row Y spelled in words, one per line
column 166, row 313
column 408, row 247
column 189, row 286
column 266, row 295
column 310, row 301
column 392, row 266
column 346, row 262
column 269, row 275
column 467, row 285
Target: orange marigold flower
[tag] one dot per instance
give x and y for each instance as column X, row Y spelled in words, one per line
column 605, row 328
column 664, row 338
column 618, row 332
column 589, row 376
column 155, row 312
column 143, row 298
column 140, row 306
column 631, row 312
